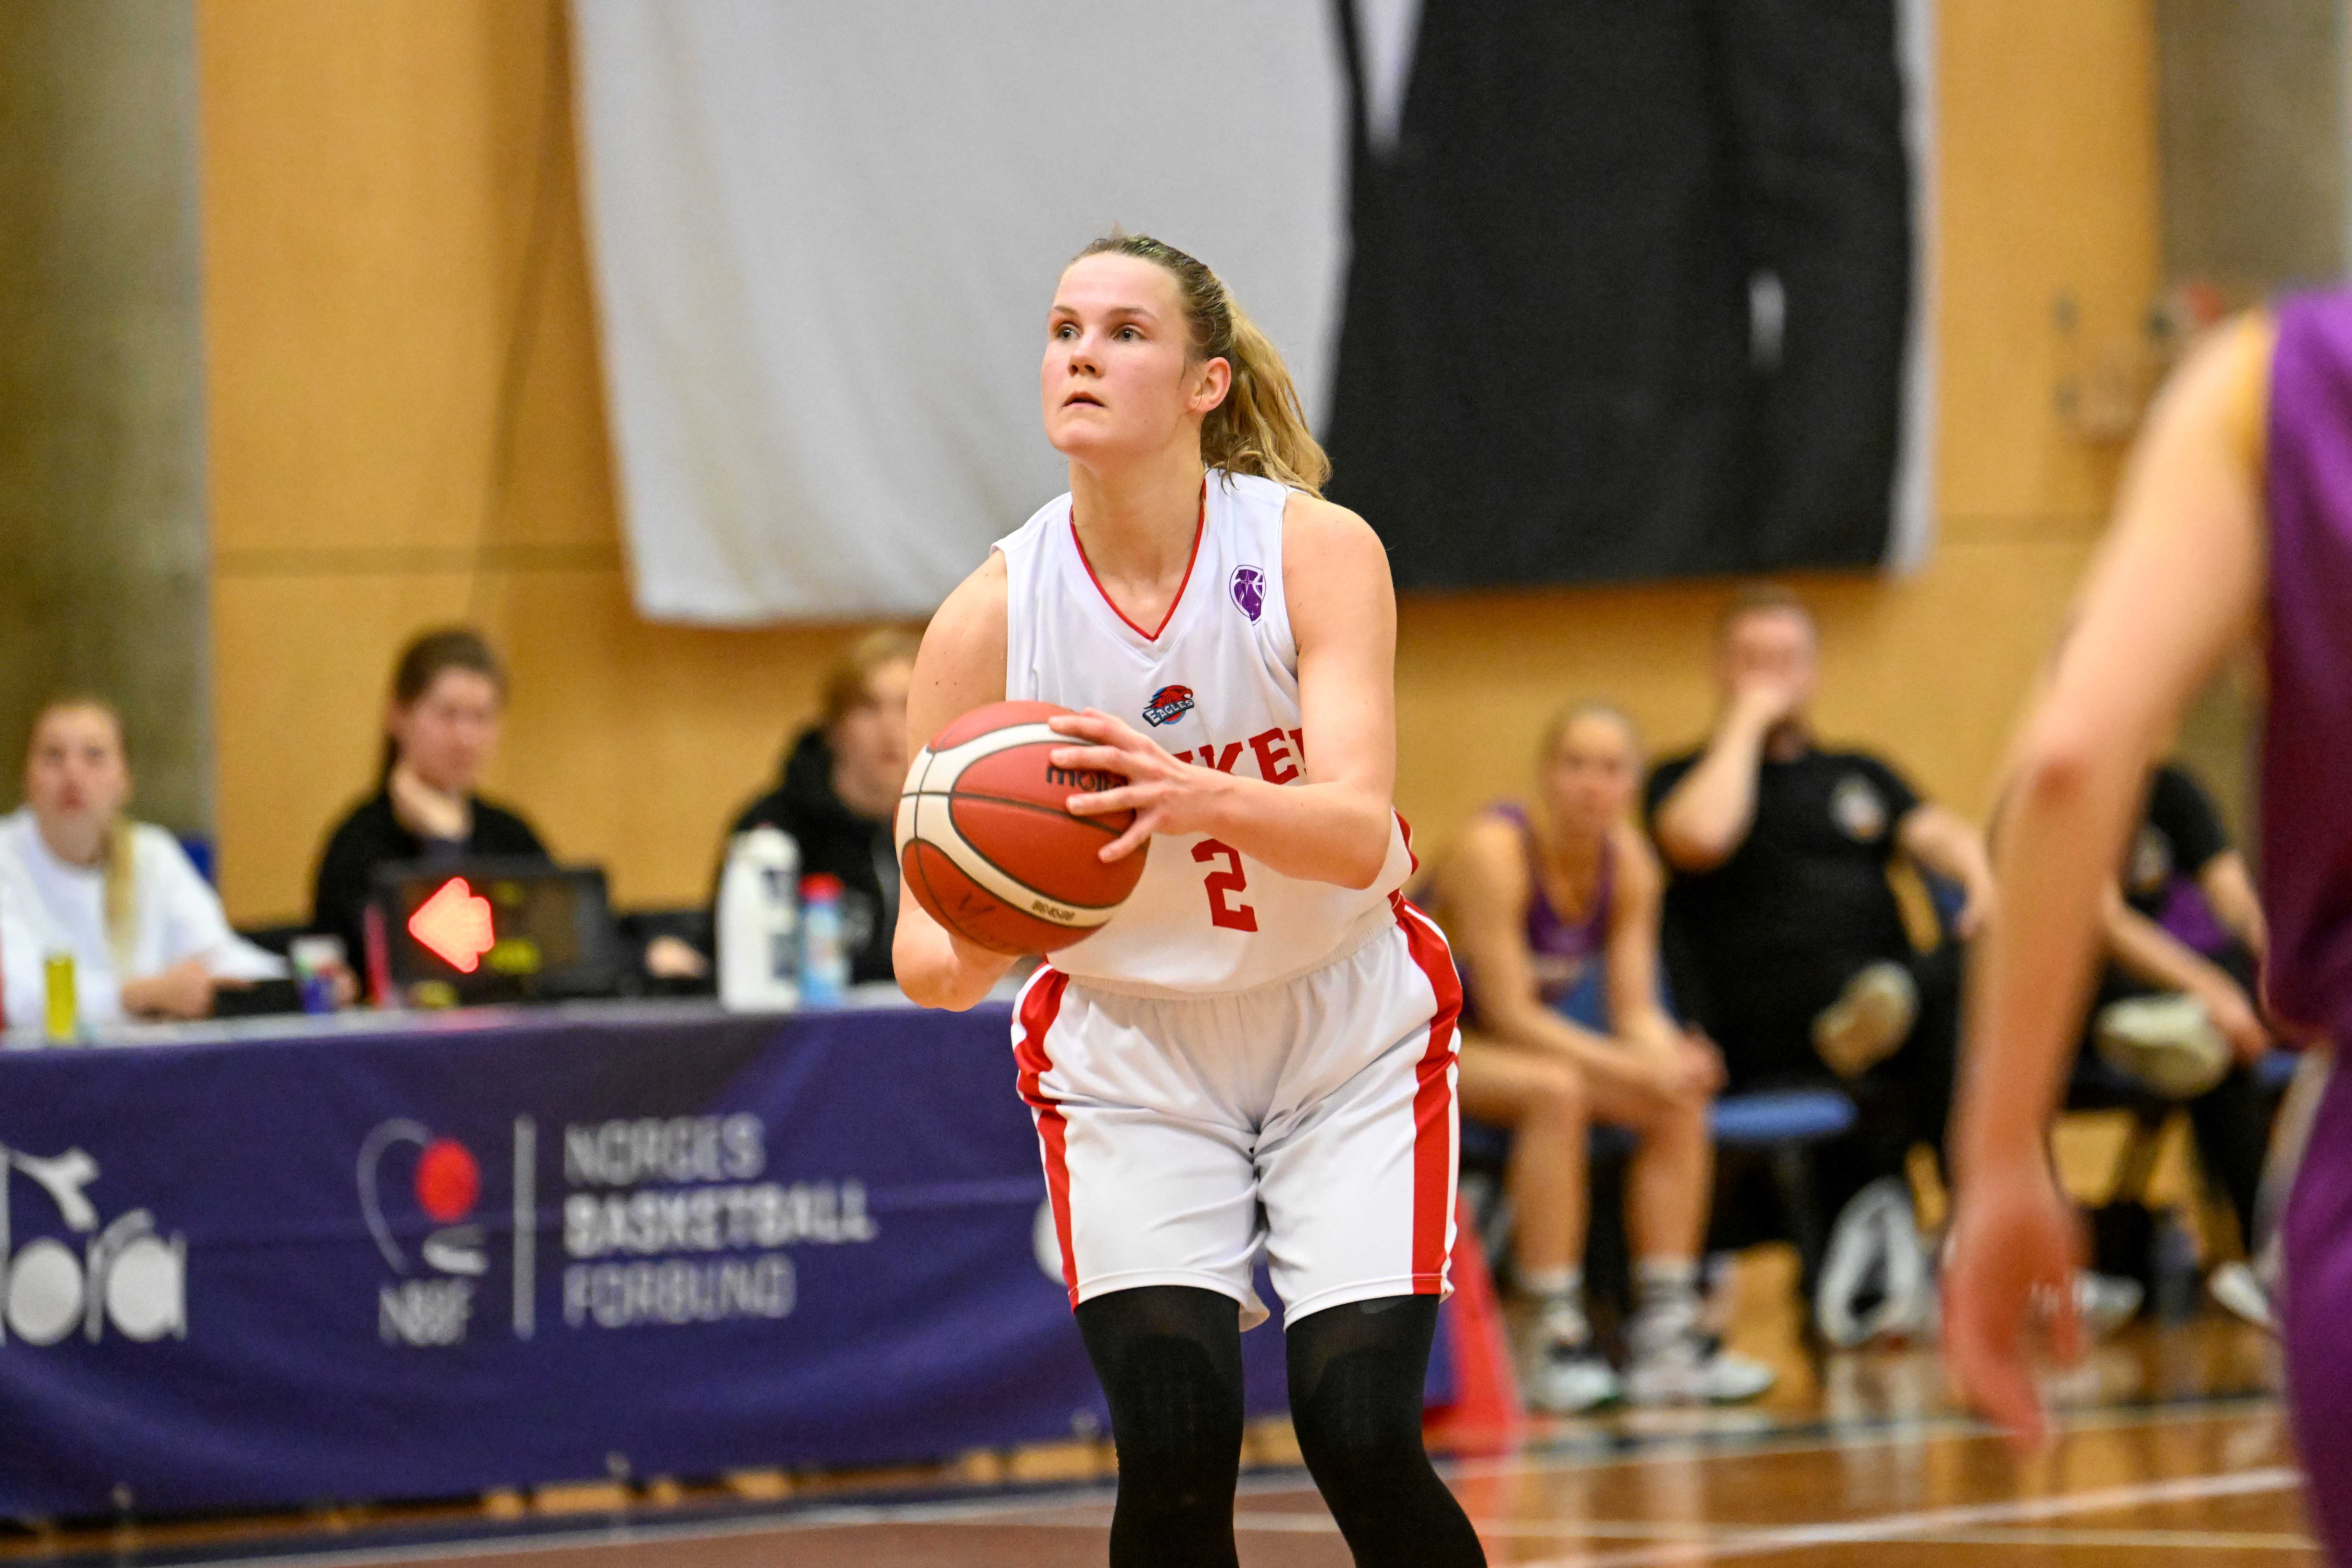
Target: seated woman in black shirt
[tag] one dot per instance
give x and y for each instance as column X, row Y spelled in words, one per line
column 440, row 729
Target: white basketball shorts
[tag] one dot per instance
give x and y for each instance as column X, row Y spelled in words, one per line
column 1312, row 1119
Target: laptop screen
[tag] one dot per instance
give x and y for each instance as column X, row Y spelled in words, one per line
column 496, row 929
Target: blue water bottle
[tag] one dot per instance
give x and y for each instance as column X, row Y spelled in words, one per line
column 824, row 966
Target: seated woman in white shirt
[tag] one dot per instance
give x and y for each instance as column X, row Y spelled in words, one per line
column 147, row 934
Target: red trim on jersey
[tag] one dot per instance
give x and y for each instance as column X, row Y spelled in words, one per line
column 1432, row 1102
column 1406, row 828
column 1040, row 1004
column 1199, row 531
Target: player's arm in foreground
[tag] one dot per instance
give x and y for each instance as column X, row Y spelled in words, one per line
column 2180, row 580
column 1336, row 828
column 960, row 668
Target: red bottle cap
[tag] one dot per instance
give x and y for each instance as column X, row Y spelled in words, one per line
column 823, row 885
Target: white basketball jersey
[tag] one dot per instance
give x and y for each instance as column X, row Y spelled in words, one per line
column 1217, row 685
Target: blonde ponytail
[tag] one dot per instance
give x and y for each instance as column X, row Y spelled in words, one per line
column 1261, row 426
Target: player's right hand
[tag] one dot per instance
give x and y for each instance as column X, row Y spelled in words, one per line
column 1166, row 795
column 2009, row 1262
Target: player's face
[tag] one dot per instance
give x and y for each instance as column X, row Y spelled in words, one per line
column 1118, row 379
column 446, row 736
column 1589, row 781
column 1774, row 647
column 76, row 776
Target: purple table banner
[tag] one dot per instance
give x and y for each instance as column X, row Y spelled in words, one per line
column 429, row 1257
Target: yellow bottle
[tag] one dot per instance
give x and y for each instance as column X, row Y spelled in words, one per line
column 63, row 1019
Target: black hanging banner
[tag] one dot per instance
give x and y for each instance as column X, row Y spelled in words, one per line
column 1630, row 292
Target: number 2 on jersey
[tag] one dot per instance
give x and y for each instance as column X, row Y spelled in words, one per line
column 1221, row 911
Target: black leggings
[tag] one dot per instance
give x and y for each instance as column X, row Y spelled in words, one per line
column 1169, row 1358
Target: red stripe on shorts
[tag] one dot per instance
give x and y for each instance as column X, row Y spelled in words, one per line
column 1040, row 1004
column 1432, row 1103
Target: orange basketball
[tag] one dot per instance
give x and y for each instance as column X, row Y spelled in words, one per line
column 989, row 849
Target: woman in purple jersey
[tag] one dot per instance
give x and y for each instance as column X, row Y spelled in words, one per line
column 2235, row 522
column 1553, row 908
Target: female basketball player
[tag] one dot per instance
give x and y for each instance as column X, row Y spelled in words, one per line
column 2236, row 515
column 1259, row 1050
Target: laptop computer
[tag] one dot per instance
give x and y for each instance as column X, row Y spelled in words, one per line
column 450, row 933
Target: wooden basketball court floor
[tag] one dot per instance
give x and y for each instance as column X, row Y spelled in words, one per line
column 2172, row 1447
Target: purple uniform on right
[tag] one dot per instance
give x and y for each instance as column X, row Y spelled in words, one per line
column 2307, row 857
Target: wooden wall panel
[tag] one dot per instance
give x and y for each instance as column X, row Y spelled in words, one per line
column 369, row 170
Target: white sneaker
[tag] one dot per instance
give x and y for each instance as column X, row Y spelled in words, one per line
column 2105, row 1302
column 2165, row 1042
column 1569, row 1380
column 1876, row 1279
column 2240, row 1289
column 1869, row 1021
column 1692, row 1369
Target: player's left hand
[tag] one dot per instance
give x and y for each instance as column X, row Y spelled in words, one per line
column 2011, row 1260
column 1166, row 795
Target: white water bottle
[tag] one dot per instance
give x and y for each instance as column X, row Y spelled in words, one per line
column 759, row 922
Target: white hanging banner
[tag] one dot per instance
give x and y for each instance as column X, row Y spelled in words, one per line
column 824, row 238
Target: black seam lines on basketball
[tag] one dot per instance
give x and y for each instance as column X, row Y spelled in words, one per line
column 947, row 915
column 952, row 795
column 1018, row 880
column 924, row 871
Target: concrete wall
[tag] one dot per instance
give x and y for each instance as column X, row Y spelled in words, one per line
column 372, row 173
column 2252, row 121
column 2257, row 198
column 103, row 556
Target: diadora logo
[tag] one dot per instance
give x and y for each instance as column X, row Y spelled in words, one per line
column 1249, row 589
column 433, row 1301
column 125, row 1273
column 1168, row 704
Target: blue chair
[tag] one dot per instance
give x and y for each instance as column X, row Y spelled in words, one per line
column 1782, row 1126
column 199, row 851
column 2276, row 1070
column 1785, row 1126
column 1772, row 1119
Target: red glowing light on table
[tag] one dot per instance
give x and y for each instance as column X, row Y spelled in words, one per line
column 454, row 925
column 448, row 1181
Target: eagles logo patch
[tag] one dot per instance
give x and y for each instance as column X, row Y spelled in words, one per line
column 1168, row 704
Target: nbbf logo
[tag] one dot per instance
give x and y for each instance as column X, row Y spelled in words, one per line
column 412, row 1179
column 101, row 1272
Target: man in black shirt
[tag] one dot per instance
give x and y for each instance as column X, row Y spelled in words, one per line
column 1786, row 940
